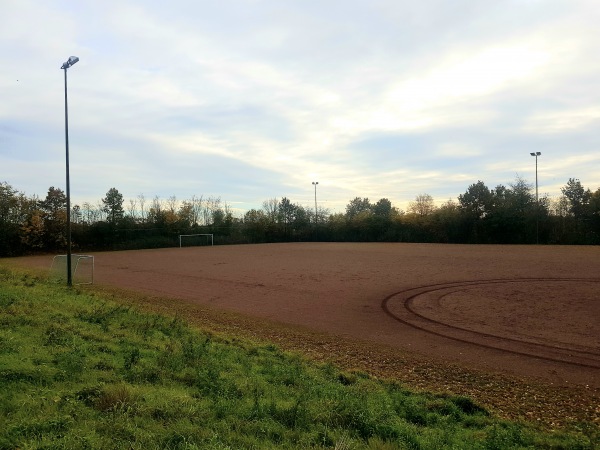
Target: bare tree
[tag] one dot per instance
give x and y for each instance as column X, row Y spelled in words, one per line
column 271, row 209
column 211, row 204
column 422, row 206
column 215, row 209
column 227, row 210
column 100, row 213
column 157, row 204
column 87, row 213
column 132, row 208
column 196, row 208
column 142, row 202
column 76, row 215
column 560, row 206
column 172, row 204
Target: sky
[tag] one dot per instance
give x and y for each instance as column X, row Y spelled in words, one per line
column 250, row 100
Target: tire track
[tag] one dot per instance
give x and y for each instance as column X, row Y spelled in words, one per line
column 402, row 307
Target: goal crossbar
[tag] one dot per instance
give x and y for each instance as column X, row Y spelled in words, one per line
column 208, row 236
column 59, row 267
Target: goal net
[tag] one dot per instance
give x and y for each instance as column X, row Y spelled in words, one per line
column 82, row 268
column 195, row 240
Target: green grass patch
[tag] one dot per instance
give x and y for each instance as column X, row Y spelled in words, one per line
column 78, row 370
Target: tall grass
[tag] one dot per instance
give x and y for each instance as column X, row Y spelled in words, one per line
column 81, row 371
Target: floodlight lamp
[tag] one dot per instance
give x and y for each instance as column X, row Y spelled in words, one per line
column 72, row 60
column 532, row 154
column 538, row 153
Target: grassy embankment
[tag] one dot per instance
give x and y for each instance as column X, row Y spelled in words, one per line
column 78, row 370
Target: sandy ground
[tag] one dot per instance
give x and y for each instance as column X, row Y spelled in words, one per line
column 528, row 312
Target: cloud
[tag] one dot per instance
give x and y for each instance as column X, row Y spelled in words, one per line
column 257, row 99
column 569, row 121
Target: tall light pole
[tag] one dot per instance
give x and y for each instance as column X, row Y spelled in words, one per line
column 537, row 200
column 315, row 185
column 72, row 60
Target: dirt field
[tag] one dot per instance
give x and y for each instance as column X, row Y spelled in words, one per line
column 430, row 315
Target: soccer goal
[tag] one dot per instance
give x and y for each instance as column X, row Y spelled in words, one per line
column 195, row 240
column 82, row 268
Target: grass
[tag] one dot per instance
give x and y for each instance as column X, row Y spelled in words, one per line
column 80, row 370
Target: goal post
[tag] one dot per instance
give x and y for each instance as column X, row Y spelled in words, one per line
column 82, row 268
column 195, row 239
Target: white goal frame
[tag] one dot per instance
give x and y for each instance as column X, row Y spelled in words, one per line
column 75, row 260
column 199, row 234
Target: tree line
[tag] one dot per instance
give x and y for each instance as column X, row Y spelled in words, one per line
column 508, row 214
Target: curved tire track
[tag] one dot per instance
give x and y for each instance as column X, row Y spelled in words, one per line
column 401, row 306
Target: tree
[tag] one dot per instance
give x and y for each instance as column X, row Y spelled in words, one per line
column 196, row 203
column 271, row 209
column 186, row 214
column 579, row 198
column 287, row 213
column 255, row 224
column 595, row 210
column 132, row 209
column 595, row 202
column 12, row 213
column 446, row 223
column 521, row 198
column 211, row 204
column 513, row 215
column 301, row 217
column 113, row 205
column 172, row 204
column 477, row 200
column 54, row 214
column 142, row 202
column 55, row 204
column 357, row 206
column 76, row 215
column 33, row 231
column 422, row 206
column 383, row 208
column 8, row 203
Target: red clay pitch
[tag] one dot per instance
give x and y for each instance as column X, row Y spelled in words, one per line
column 530, row 311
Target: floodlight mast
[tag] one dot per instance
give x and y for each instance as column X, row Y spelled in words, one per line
column 537, row 201
column 69, row 63
column 316, row 215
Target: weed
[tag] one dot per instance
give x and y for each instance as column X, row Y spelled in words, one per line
column 89, row 395
column 70, row 364
column 38, row 429
column 467, row 406
column 103, row 365
column 56, row 335
column 131, row 357
column 7, row 299
column 118, row 397
column 8, row 343
column 35, row 376
column 347, row 378
column 502, row 436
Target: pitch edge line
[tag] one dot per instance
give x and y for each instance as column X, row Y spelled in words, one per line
column 439, row 286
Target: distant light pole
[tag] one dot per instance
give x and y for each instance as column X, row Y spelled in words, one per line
column 72, row 60
column 537, row 201
column 315, row 185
